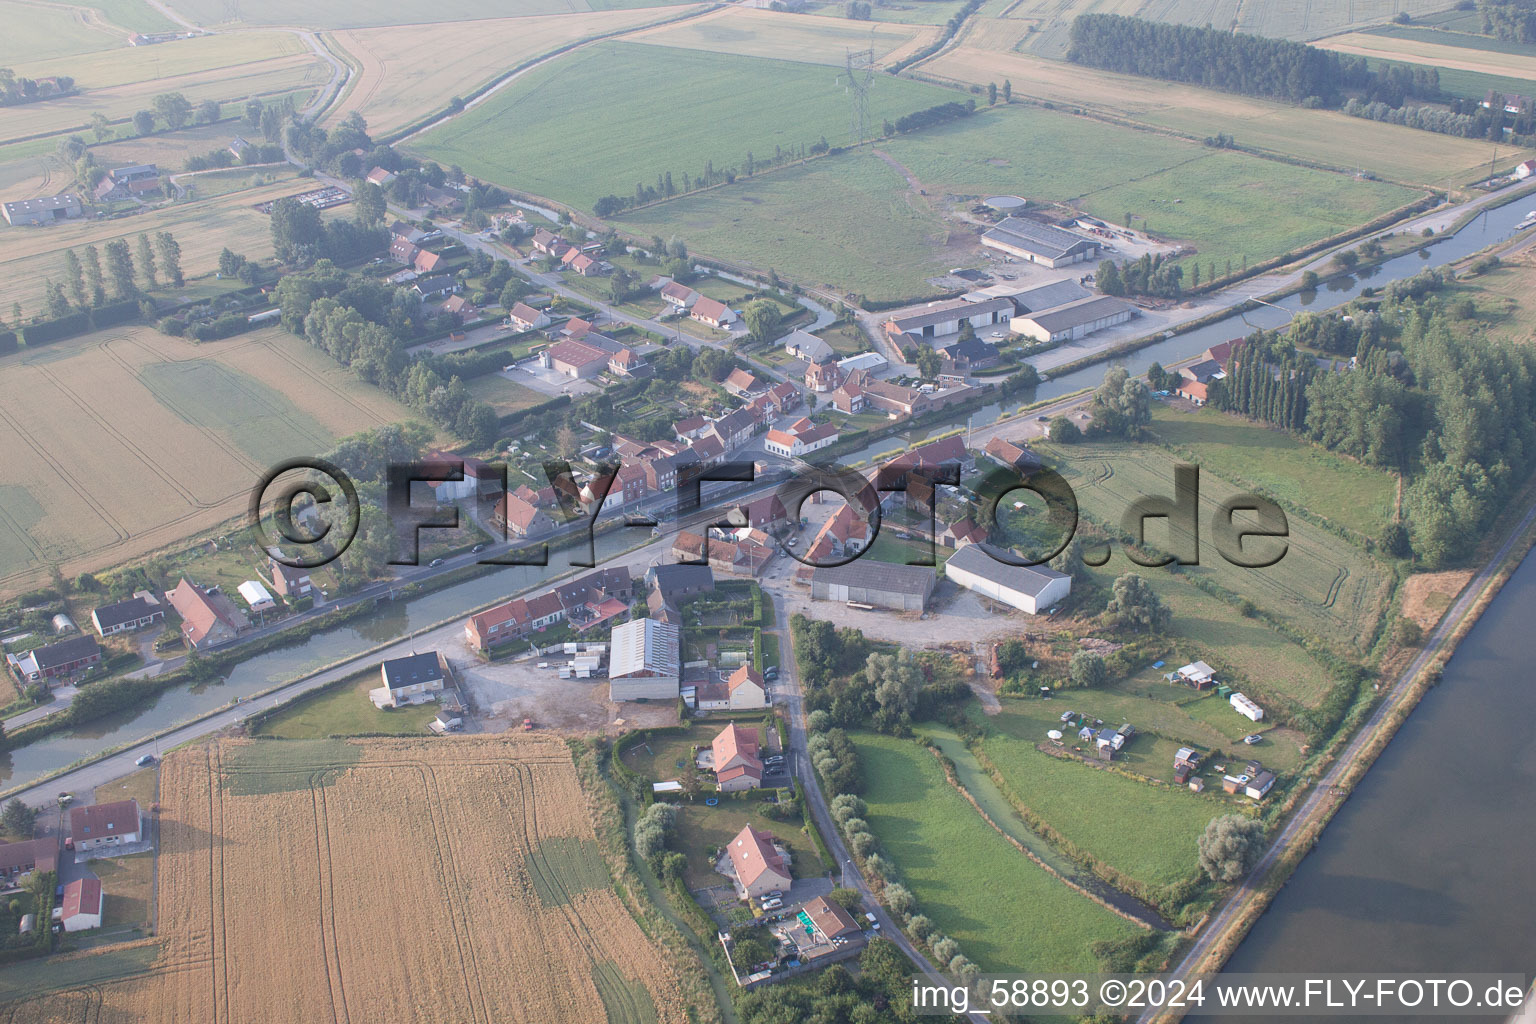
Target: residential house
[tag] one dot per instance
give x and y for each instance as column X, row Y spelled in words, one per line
column 712, row 312
column 736, row 763
column 676, row 582
column 848, row 533
column 689, row 428
column 708, row 449
column 504, row 622
column 741, row 383
column 27, row 856
column 97, row 825
column 945, row 452
column 829, row 919
column 400, row 229
column 969, row 355
column 519, row 518
column 588, row 266
column 381, row 177
column 747, row 690
column 403, row 251
column 547, row 242
column 1029, row 588
column 63, row 660
column 958, row 535
column 436, row 287
column 760, row 866
column 427, row 262
column 644, row 661
column 127, row 182
column 627, row 362
column 800, row 438
column 733, row 429
column 809, row 347
column 849, row 397
column 208, row 618
column 413, row 679
column 137, row 612
column 461, row 308
column 823, row 377
column 525, row 318
column 679, row 296
column 1012, row 455
column 1524, row 169
column 81, row 908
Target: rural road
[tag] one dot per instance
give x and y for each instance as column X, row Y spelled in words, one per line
column 1317, row 802
column 789, row 687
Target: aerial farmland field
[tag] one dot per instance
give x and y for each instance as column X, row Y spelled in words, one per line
column 130, row 15
column 340, row 14
column 667, row 110
column 395, row 88
column 130, row 439
column 38, row 33
column 783, row 36
column 326, row 881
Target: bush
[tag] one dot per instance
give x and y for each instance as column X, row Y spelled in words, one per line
column 114, row 313
column 919, row 927
column 8, row 342
column 52, row 330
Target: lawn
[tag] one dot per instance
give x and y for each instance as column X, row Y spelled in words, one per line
column 658, row 756
column 1143, row 830
column 130, row 889
column 1322, row 585
column 958, row 867
column 889, row 547
column 1504, row 302
column 1355, row 496
column 503, row 395
column 844, row 222
column 142, row 786
column 38, row 33
column 665, row 110
column 702, row 829
column 343, row 709
column 1330, row 138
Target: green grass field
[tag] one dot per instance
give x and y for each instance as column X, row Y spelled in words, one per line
column 337, row 14
column 1323, row 585
column 261, row 421
column 1353, row 495
column 1145, row 831
column 344, row 710
column 658, row 109
column 37, row 33
column 845, row 221
column 133, row 15
column 504, row 396
column 958, row 867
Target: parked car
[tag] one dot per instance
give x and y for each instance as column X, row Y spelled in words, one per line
column 145, row 759
column 772, row 904
column 1252, row 738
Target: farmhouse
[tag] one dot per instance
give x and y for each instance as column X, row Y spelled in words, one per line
column 1011, row 455
column 256, row 596
column 759, row 864
column 803, row 345
column 575, row 359
column 1074, row 320
column 1040, row 243
column 519, row 518
column 935, row 319
column 45, row 210
column 82, row 905
column 208, row 618
column 127, row 182
column 138, row 611
column 735, row 759
column 17, row 859
column 712, row 312
column 98, row 825
column 413, row 679
column 524, row 317
column 289, row 581
column 881, row 584
column 746, row 689
column 1027, row 588
column 644, row 662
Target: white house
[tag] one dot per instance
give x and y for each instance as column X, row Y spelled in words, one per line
column 256, row 596
column 1027, row 588
column 82, row 905
column 746, row 689
column 1525, row 169
column 1247, row 708
column 800, row 438
column 1260, row 785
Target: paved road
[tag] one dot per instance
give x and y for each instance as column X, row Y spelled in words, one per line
column 1318, row 800
column 789, row 688
column 61, row 700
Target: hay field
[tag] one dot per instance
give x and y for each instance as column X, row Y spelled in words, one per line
column 343, row 14
column 127, row 440
column 170, row 150
column 395, row 87
column 1325, row 137
column 38, row 33
column 782, row 36
column 29, row 256
column 130, row 15
column 422, row 879
column 1419, row 51
column 663, row 109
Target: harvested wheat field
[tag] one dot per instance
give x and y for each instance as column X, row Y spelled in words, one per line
column 454, row 879
column 1417, row 51
column 395, row 87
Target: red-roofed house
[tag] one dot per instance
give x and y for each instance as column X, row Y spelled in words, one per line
column 740, row 383
column 746, row 689
column 498, row 625
column 403, row 251
column 736, row 763
column 1196, row 391
column 97, row 825
column 690, row 428
column 207, row 618
column 712, row 312
column 519, row 518
column 800, row 438
column 426, row 262
column 760, row 867
column 679, row 296
column 381, row 177
column 823, row 377
column 82, row 905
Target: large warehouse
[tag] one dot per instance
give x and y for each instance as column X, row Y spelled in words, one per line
column 904, row 588
column 45, row 210
column 1040, row 243
column 1074, row 320
column 936, row 319
column 644, row 661
column 1027, row 588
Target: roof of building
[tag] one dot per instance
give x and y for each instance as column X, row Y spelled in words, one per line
column 809, row 346
column 670, row 579
column 733, row 741
column 934, row 453
column 577, row 353
column 1049, row 296
column 752, row 853
column 200, row 612
column 412, row 670
column 440, row 283
column 515, row 610
column 680, row 292
column 915, row 318
column 829, row 918
column 743, row 675
column 972, row 350
column 134, row 608
column 525, row 313
column 1083, row 311
column 1202, row 371
column 1041, row 239
column 82, row 896
column 1016, row 455
column 873, row 575
column 121, row 817
column 710, row 309
column 739, row 379
column 254, row 593
column 1027, row 579
column 62, row 201
column 644, row 647
column 515, row 511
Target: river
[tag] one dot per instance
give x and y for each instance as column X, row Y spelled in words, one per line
column 1427, row 866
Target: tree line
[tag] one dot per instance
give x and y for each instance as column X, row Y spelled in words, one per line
column 15, row 91
column 1514, row 20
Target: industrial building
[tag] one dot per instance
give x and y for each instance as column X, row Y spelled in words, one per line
column 878, row 584
column 936, row 319
column 1040, row 243
column 1074, row 320
column 644, row 662
column 45, row 210
column 1029, row 588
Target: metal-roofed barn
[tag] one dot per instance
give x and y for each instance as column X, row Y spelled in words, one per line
column 1040, row 243
column 1074, row 320
column 882, row 584
column 644, row 661
column 1027, row 588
